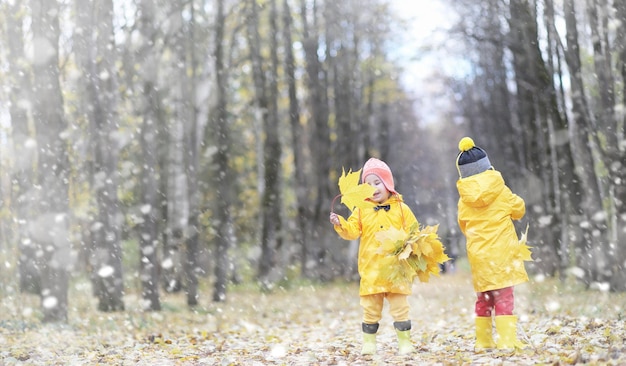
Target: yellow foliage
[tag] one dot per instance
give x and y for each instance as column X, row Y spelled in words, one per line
column 353, row 194
column 524, row 251
column 420, row 252
column 391, row 240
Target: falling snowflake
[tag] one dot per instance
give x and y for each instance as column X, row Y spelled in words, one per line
column 167, row 263
column 50, row 302
column 30, row 143
column 148, row 250
column 106, row 271
column 552, row 306
column 145, row 209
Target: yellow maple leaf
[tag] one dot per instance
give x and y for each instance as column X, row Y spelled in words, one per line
column 439, row 255
column 353, row 194
column 524, row 250
column 426, row 247
column 524, row 237
column 430, row 229
column 391, row 240
column 406, row 252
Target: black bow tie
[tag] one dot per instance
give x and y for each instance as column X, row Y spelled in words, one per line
column 383, row 207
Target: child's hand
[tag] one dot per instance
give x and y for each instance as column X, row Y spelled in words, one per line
column 334, row 219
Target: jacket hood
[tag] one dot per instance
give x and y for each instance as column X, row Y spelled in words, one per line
column 481, row 189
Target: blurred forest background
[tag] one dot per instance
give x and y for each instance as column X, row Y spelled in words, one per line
column 149, row 145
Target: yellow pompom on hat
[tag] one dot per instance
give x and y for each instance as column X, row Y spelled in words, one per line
column 471, row 159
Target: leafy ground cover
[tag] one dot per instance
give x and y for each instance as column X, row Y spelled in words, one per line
column 315, row 325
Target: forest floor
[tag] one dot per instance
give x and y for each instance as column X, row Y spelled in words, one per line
column 316, row 325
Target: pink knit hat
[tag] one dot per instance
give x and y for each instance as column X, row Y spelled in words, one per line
column 381, row 170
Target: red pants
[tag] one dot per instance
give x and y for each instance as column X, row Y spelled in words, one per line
column 501, row 300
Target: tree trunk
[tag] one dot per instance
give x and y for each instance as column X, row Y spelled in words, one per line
column 150, row 175
column 50, row 229
column 539, row 117
column 176, row 208
column 191, row 162
column 317, row 262
column 618, row 168
column 25, row 151
column 570, row 193
column 148, row 230
column 340, row 75
column 267, row 103
column 98, row 68
column 592, row 254
column 597, row 11
column 223, row 216
column 609, row 260
column 299, row 142
column 510, row 137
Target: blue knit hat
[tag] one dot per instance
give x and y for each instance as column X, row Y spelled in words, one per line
column 471, row 159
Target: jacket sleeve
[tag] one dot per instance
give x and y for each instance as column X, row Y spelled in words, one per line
column 518, row 206
column 349, row 229
column 462, row 223
column 409, row 216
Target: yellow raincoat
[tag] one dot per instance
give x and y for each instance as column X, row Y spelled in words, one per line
column 485, row 212
column 365, row 223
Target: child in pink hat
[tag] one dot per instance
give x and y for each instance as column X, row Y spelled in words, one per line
column 387, row 212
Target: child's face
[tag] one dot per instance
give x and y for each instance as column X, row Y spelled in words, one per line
column 381, row 194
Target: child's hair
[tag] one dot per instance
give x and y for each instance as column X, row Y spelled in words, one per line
column 471, row 159
column 381, row 170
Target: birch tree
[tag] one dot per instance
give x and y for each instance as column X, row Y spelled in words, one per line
column 151, row 115
column 49, row 229
column 96, row 57
column 24, row 147
column 266, row 94
column 618, row 279
column 299, row 141
column 219, row 125
column 187, row 57
column 594, row 226
column 317, row 105
column 179, row 256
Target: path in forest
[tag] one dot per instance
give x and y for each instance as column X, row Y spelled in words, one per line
column 317, row 325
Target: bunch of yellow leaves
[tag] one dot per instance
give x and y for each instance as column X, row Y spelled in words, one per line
column 420, row 252
column 353, row 194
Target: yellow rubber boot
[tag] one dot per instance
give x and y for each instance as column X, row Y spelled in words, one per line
column 403, row 331
column 484, row 335
column 506, row 326
column 404, row 342
column 369, row 338
column 369, row 344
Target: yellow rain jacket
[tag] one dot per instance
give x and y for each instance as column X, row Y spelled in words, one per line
column 365, row 223
column 485, row 212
